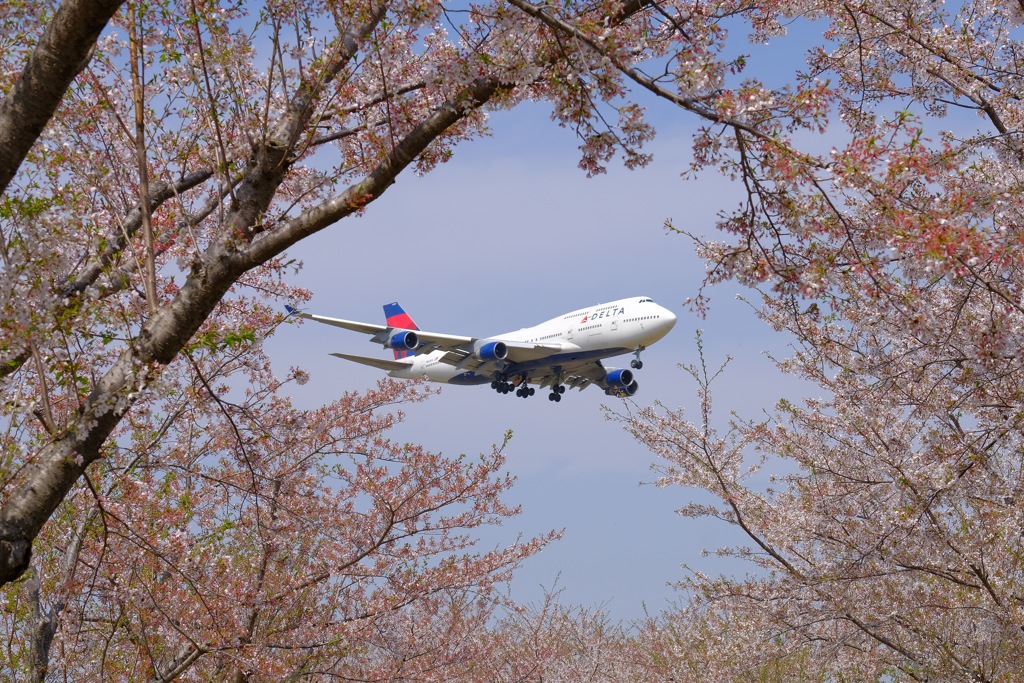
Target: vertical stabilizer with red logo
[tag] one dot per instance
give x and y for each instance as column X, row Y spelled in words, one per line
column 397, row 318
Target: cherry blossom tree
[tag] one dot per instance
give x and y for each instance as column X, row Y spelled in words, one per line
column 61, row 53
column 165, row 512
column 199, row 140
column 155, row 173
column 549, row 641
column 887, row 543
column 698, row 641
column 251, row 540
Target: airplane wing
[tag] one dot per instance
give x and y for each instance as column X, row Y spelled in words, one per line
column 365, row 328
column 569, row 375
column 460, row 348
column 388, row 365
column 575, row 375
column 380, row 333
column 589, row 373
column 579, row 375
column 518, row 352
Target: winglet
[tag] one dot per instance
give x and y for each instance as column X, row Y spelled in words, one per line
column 294, row 312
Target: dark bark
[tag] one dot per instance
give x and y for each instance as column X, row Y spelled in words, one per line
column 42, row 628
column 62, row 52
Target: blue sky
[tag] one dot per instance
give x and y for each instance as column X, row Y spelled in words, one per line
column 510, row 233
column 507, row 234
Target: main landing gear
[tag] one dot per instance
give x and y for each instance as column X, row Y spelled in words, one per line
column 636, row 363
column 504, row 387
column 556, row 393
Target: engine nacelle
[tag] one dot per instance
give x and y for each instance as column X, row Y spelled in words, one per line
column 619, row 377
column 406, row 340
column 623, row 392
column 494, row 350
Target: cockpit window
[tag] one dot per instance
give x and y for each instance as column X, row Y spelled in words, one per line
column 647, row 301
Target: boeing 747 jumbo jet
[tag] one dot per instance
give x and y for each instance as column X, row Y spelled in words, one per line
column 564, row 351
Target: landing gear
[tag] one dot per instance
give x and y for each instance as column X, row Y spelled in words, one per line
column 502, row 387
column 556, row 393
column 636, row 363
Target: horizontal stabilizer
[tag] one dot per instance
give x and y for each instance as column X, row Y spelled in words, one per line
column 380, row 363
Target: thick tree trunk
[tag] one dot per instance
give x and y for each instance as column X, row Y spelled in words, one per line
column 63, row 51
column 43, row 626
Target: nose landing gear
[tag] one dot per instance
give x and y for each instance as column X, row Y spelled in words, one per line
column 636, row 363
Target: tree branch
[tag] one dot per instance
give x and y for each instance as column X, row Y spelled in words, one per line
column 62, row 53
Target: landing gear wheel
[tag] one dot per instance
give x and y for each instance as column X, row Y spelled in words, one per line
column 553, row 396
column 636, row 364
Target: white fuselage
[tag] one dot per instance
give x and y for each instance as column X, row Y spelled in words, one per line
column 596, row 332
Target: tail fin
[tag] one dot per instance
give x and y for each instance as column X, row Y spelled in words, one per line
column 396, row 317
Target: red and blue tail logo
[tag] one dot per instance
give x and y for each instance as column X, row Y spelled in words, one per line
column 397, row 318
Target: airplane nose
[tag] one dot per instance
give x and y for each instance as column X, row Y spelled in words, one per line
column 661, row 325
column 668, row 319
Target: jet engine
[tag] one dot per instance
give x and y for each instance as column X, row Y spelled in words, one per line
column 623, row 392
column 406, row 340
column 494, row 350
column 620, row 383
column 619, row 377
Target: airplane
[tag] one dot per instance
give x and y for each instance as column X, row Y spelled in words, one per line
column 565, row 351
